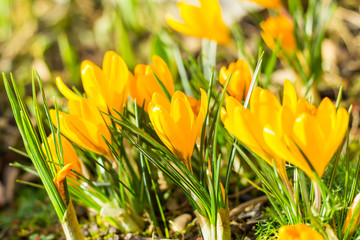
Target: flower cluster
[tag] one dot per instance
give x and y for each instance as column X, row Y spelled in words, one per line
column 180, row 135
column 85, row 124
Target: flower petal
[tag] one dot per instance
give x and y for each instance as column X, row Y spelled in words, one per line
column 325, row 116
column 162, row 70
column 167, row 130
column 308, row 137
column 180, row 27
column 60, row 176
column 263, row 105
column 289, row 96
column 65, row 90
column 69, row 154
column 94, row 81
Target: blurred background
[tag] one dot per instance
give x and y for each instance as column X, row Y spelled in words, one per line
column 54, row 36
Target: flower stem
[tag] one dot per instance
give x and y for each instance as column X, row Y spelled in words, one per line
column 317, row 196
column 208, row 51
column 71, row 225
column 182, row 72
column 220, row 231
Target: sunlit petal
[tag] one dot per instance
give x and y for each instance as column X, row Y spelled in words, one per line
column 68, row 153
column 145, row 84
column 289, row 96
column 65, row 90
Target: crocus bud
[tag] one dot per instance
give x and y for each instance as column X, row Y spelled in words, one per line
column 59, row 180
column 350, row 215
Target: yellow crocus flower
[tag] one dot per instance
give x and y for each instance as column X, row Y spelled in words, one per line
column 176, row 124
column 68, row 153
column 247, row 125
column 240, row 79
column 320, row 135
column 204, row 21
column 267, row 3
column 84, row 125
column 108, row 86
column 279, row 28
column 145, row 84
column 299, row 231
column 278, row 132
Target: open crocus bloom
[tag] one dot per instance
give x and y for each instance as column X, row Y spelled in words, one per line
column 84, row 125
column 108, row 86
column 176, row 124
column 278, row 132
column 68, row 153
column 299, row 231
column 318, row 133
column 267, row 3
column 240, row 79
column 279, row 28
column 145, row 84
column 204, row 21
